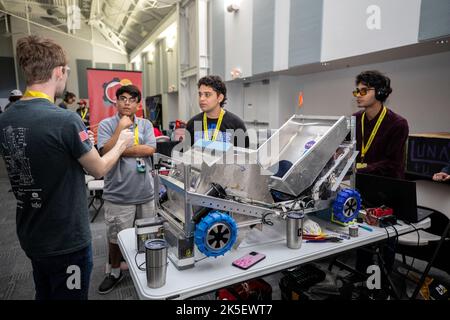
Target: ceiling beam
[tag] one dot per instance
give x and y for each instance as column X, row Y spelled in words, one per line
column 109, row 34
column 136, row 5
column 33, row 3
column 131, row 36
column 96, row 8
column 154, row 14
column 61, row 32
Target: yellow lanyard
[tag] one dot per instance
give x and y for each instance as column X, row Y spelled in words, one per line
column 364, row 148
column 83, row 114
column 136, row 135
column 38, row 94
column 216, row 131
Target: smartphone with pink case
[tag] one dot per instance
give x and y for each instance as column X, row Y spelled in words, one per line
column 248, row 260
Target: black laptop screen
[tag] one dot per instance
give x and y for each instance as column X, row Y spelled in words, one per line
column 400, row 195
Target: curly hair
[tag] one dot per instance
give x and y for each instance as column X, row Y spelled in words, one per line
column 377, row 80
column 216, row 83
column 68, row 95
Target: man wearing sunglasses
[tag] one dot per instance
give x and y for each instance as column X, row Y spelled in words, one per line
column 128, row 190
column 381, row 134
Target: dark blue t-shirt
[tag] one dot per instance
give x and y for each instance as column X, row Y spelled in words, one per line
column 40, row 144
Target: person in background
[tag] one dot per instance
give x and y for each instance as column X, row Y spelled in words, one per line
column 83, row 112
column 69, row 99
column 156, row 131
column 14, row 96
column 442, row 176
column 46, row 150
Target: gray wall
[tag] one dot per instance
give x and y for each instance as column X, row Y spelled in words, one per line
column 355, row 27
column 421, row 91
column 218, row 37
column 6, row 48
column 8, row 78
column 268, row 35
column 434, row 19
column 263, row 35
column 75, row 48
column 305, row 32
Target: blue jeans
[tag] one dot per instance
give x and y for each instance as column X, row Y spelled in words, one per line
column 63, row 277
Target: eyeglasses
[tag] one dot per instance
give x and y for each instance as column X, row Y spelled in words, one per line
column 205, row 94
column 66, row 69
column 362, row 92
column 125, row 99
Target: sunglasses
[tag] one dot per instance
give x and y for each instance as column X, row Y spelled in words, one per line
column 362, row 92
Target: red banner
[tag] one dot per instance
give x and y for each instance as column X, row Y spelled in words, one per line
column 102, row 87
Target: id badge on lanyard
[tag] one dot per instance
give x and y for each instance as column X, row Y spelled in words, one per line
column 140, row 163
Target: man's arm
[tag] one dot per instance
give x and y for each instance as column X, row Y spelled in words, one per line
column 98, row 166
column 136, row 151
column 139, row 151
column 147, row 145
column 125, row 122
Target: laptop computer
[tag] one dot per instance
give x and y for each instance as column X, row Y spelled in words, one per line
column 400, row 195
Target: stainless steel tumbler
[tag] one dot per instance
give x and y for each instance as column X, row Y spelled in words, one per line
column 156, row 262
column 294, row 229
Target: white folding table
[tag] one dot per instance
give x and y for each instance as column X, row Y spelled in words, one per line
column 213, row 273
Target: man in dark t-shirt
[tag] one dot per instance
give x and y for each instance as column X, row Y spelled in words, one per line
column 45, row 149
column 215, row 123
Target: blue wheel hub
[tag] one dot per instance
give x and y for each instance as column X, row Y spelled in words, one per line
column 215, row 234
column 347, row 205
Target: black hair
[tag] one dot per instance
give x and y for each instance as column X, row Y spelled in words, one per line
column 216, row 83
column 132, row 90
column 68, row 95
column 14, row 98
column 377, row 80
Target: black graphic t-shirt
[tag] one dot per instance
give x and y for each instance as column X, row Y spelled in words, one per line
column 232, row 129
column 40, row 144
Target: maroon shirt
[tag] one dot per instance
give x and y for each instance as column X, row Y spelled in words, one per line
column 386, row 156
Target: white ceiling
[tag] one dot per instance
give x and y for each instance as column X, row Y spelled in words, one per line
column 125, row 23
